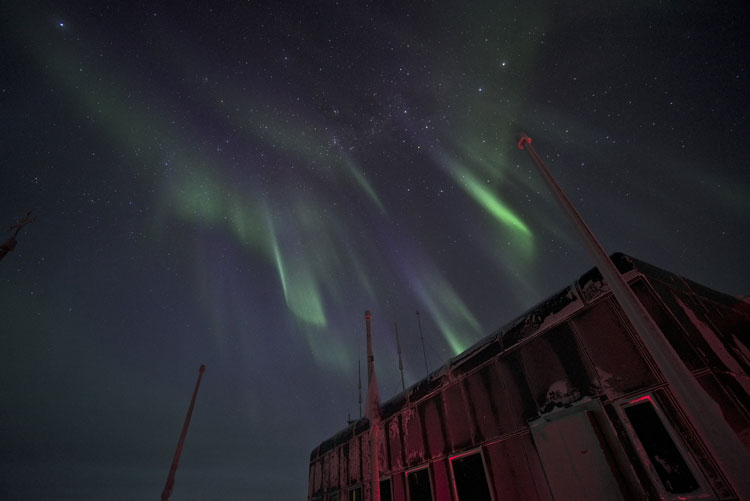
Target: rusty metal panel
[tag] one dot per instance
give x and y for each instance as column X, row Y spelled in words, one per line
column 456, row 417
column 440, row 478
column 325, row 481
column 393, row 435
column 333, row 469
column 344, row 464
column 399, row 487
column 317, row 476
column 310, row 481
column 355, row 463
column 364, row 443
column 432, row 424
column 382, row 450
column 414, row 448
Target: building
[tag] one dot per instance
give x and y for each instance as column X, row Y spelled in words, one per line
column 562, row 403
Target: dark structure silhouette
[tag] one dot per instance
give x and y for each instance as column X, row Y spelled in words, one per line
column 565, row 402
column 11, row 243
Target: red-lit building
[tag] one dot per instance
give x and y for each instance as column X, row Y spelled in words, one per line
column 563, row 403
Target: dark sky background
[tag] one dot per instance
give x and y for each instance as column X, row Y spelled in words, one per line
column 235, row 184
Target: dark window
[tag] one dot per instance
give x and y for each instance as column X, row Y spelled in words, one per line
column 355, row 494
column 419, row 485
column 334, row 496
column 470, row 480
column 660, row 449
column 385, row 490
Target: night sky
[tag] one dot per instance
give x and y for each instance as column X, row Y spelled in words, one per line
column 235, row 184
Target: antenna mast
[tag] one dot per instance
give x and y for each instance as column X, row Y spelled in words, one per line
column 170, row 479
column 421, row 337
column 400, row 363
column 699, row 408
column 359, row 376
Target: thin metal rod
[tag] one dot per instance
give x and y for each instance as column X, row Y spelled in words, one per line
column 167, row 492
column 359, row 377
column 372, row 413
column 400, row 362
column 421, row 337
column 370, row 356
column 702, row 412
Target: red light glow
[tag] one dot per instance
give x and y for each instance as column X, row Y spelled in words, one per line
column 641, row 399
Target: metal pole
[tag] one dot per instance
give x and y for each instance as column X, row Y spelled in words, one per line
column 170, row 479
column 421, row 337
column 702, row 412
column 370, row 356
column 400, row 362
column 373, row 414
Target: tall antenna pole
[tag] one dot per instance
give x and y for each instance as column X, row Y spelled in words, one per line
column 359, row 377
column 400, row 363
column 702, row 412
column 372, row 413
column 170, row 479
column 421, row 337
column 370, row 356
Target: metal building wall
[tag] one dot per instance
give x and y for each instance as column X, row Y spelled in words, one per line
column 487, row 399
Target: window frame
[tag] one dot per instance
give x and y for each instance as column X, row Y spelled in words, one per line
column 460, row 455
column 353, row 488
column 429, row 476
column 388, row 479
column 703, row 491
